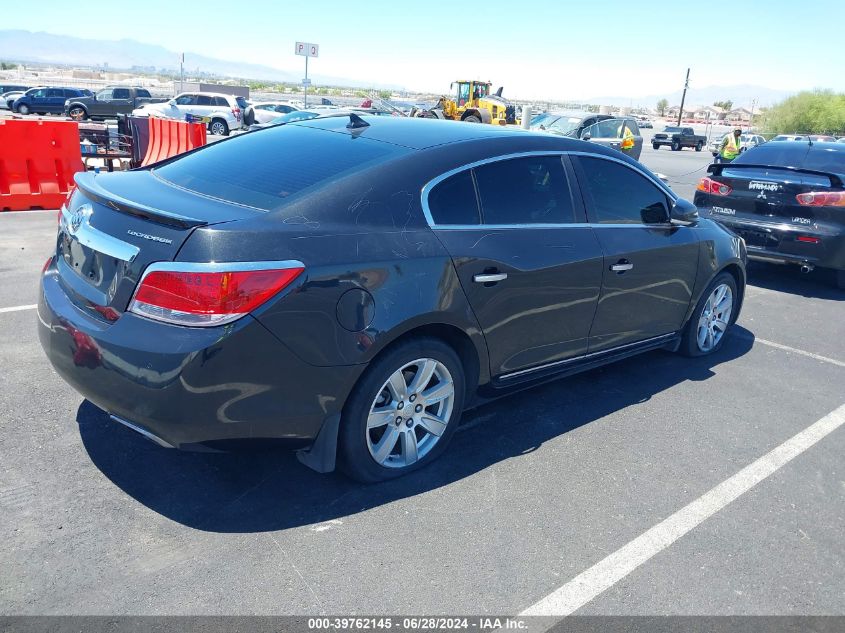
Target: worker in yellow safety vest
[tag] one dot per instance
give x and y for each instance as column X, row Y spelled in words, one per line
column 624, row 132
column 729, row 149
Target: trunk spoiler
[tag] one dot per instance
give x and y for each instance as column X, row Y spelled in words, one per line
column 835, row 180
column 87, row 183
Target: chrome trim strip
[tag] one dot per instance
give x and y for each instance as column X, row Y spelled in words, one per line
column 567, row 361
column 142, row 431
column 426, row 190
column 95, row 239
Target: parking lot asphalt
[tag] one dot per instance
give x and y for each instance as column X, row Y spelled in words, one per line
column 535, row 489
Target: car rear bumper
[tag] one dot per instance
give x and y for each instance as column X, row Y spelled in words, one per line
column 779, row 243
column 182, row 386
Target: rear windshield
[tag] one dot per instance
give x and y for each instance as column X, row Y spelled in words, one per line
column 674, row 130
column 241, row 102
column 267, row 168
column 796, row 154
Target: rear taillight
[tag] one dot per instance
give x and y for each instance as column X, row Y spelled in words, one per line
column 808, row 239
column 708, row 185
column 205, row 295
column 821, row 199
column 237, row 113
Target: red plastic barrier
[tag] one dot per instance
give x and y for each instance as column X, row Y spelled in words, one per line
column 169, row 138
column 37, row 162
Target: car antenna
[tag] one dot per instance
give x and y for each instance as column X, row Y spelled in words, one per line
column 810, row 140
column 356, row 122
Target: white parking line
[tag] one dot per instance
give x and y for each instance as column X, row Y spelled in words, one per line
column 18, row 308
column 794, row 350
column 606, row 573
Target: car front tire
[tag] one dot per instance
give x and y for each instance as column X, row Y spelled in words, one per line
column 403, row 412
column 23, row 109
column 713, row 316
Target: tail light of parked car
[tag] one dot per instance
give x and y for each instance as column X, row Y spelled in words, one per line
column 821, row 199
column 708, row 185
column 206, row 295
column 237, row 113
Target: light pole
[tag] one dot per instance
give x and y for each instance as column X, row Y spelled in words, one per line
column 683, row 98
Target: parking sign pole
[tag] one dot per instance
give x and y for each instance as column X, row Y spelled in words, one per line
column 306, row 82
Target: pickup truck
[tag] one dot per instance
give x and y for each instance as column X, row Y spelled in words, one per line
column 109, row 102
column 678, row 138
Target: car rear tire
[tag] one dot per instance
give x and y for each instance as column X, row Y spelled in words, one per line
column 699, row 146
column 472, row 119
column 403, row 411
column 77, row 113
column 655, row 146
column 712, row 318
column 676, row 146
column 23, row 109
column 218, row 127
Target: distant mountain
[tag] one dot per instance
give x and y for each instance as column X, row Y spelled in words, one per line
column 46, row 48
column 741, row 95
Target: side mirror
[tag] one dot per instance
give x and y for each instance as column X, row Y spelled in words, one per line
column 172, row 102
column 683, row 213
column 586, row 136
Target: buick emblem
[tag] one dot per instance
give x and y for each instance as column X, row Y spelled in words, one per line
column 78, row 217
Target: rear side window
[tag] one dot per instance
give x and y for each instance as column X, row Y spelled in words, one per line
column 620, row 195
column 142, row 92
column 121, row 93
column 531, row 190
column 453, row 201
column 219, row 101
column 266, row 169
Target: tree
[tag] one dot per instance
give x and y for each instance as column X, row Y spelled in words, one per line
column 661, row 107
column 5, row 66
column 817, row 112
column 385, row 94
column 725, row 105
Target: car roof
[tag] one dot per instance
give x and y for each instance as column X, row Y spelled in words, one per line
column 421, row 133
column 206, row 94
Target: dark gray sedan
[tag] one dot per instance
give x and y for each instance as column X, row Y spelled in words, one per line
column 603, row 129
column 355, row 284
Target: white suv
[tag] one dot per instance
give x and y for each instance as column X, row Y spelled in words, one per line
column 224, row 113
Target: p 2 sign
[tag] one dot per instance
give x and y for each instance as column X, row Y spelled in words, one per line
column 307, row 50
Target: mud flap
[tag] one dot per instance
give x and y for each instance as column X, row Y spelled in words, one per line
column 321, row 456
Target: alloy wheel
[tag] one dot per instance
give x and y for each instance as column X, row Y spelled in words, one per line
column 410, row 413
column 715, row 318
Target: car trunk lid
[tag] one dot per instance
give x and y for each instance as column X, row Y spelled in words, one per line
column 106, row 239
column 768, row 193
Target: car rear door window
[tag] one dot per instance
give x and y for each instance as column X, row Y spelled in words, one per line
column 619, row 195
column 143, row 92
column 203, row 100
column 121, row 93
column 55, row 93
column 529, row 190
column 453, row 201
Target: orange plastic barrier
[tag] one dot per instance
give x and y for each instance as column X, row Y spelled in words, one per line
column 37, row 162
column 169, row 138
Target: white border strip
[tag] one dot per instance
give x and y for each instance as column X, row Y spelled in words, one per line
column 18, row 308
column 606, row 573
column 786, row 348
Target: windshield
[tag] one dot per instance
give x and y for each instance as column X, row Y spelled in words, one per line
column 273, row 165
column 296, row 115
column 564, row 125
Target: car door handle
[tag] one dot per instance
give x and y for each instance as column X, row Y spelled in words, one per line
column 489, row 278
column 621, row 266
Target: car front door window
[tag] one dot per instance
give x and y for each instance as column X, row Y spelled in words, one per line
column 622, row 196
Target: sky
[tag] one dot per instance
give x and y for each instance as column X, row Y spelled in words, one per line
column 537, row 49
